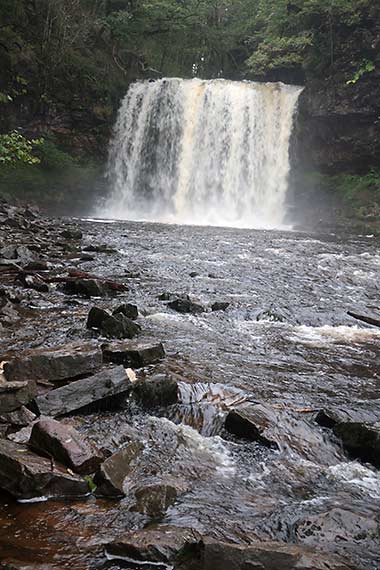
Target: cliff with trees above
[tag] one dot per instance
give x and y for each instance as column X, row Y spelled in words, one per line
column 66, row 64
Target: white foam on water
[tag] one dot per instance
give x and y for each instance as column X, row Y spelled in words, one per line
column 322, row 336
column 353, row 473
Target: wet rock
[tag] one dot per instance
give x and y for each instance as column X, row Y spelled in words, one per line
column 166, row 296
column 65, row 445
column 155, row 495
column 39, row 265
column 19, row 418
column 361, row 440
column 220, row 306
column 133, row 354
column 105, row 390
column 112, row 473
column 87, row 257
column 193, row 274
column 72, row 234
column 24, row 254
column 8, row 252
column 88, row 288
column 55, row 364
column 331, row 417
column 130, row 311
column 34, row 282
column 252, row 423
column 119, row 326
column 95, row 318
column 100, row 249
column 154, row 545
column 156, row 391
column 26, row 475
column 13, row 395
column 186, row 306
column 209, row 554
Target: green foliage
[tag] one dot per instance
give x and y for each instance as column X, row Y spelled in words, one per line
column 91, row 484
column 365, row 67
column 14, row 147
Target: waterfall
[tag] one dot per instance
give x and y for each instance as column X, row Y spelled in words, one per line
column 202, row 152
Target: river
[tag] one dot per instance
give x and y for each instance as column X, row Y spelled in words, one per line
column 285, row 340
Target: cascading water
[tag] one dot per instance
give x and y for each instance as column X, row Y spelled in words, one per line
column 202, row 152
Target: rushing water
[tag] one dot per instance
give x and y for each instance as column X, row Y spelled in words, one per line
column 205, row 152
column 285, row 340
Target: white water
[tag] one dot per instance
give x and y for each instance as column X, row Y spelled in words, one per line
column 202, row 152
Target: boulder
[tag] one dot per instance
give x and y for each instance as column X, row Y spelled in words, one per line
column 330, row 417
column 119, row 326
column 88, row 288
column 72, row 234
column 13, row 395
column 55, row 364
column 130, row 311
column 112, row 473
column 65, row 445
column 156, row 391
column 220, row 306
column 362, row 441
column 252, row 423
column 153, row 496
column 133, row 354
column 105, row 390
column 185, row 305
column 95, row 318
column 26, row 475
column 153, row 545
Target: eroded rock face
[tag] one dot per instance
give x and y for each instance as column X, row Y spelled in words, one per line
column 107, row 389
column 65, row 445
column 26, row 475
column 362, row 441
column 133, row 354
column 54, row 364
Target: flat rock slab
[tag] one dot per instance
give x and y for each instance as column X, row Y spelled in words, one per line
column 330, row 417
column 55, row 364
column 106, row 389
column 65, row 445
column 26, row 475
column 19, row 418
column 13, row 395
column 133, row 354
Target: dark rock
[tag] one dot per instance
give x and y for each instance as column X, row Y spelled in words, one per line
column 193, row 274
column 212, row 276
column 362, row 441
column 220, row 306
column 39, row 265
column 26, row 475
column 86, row 257
column 156, row 391
column 88, row 288
column 130, row 311
column 155, row 495
column 133, row 354
column 251, row 423
column 154, row 545
column 105, row 390
column 65, row 445
column 209, row 554
column 166, row 296
column 54, row 364
column 100, row 249
column 112, row 473
column 330, row 417
column 119, row 326
column 18, row 418
column 13, row 395
column 186, row 306
column 95, row 318
column 72, row 234
column 34, row 282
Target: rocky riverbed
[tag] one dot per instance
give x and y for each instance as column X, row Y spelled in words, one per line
column 157, row 411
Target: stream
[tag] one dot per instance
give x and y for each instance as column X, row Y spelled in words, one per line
column 285, row 340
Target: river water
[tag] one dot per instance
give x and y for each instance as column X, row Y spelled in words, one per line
column 286, row 340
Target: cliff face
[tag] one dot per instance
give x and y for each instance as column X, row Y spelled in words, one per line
column 338, row 126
